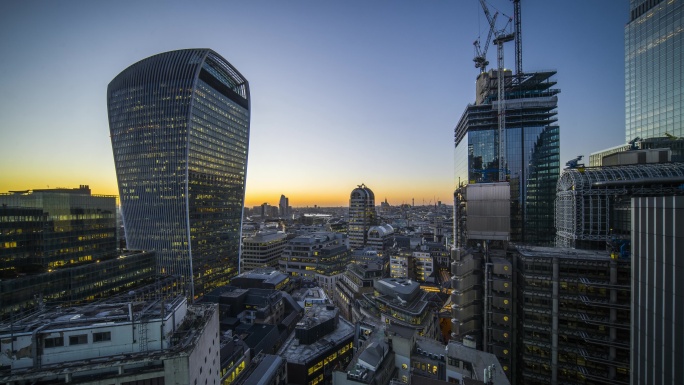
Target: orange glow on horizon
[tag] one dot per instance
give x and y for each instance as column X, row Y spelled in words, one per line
column 396, row 192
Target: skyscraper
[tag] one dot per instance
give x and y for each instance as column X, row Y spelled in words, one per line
column 179, row 124
column 361, row 215
column 657, row 324
column 284, row 206
column 532, row 148
column 654, row 38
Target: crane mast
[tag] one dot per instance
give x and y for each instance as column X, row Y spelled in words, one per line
column 500, row 37
column 501, row 108
column 518, row 38
column 481, row 55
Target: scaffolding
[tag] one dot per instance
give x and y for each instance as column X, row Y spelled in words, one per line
column 587, row 198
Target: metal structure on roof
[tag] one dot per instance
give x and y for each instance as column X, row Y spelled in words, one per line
column 587, row 198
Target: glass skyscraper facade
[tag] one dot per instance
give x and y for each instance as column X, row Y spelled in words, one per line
column 179, row 124
column 60, row 246
column 532, row 149
column 654, row 45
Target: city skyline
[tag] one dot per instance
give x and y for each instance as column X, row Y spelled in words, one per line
column 342, row 94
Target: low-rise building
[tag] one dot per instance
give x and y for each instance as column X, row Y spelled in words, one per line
column 403, row 302
column 380, row 237
column 424, row 358
column 265, row 369
column 356, row 281
column 402, row 264
column 262, row 250
column 322, row 342
column 304, row 253
column 160, row 342
column 373, row 366
column 263, row 278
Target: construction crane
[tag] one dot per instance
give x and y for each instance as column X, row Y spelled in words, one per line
column 501, row 109
column 518, row 38
column 481, row 55
column 501, row 36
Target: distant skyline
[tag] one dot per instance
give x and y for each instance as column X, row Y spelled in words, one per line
column 343, row 93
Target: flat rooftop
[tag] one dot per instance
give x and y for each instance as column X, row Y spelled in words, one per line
column 267, row 275
column 293, row 351
column 562, row 252
column 91, row 314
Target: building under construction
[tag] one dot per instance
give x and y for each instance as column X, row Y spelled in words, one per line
column 532, row 148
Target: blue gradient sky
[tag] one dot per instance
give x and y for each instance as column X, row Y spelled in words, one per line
column 343, row 93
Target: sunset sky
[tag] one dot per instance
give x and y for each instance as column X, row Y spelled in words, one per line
column 343, row 92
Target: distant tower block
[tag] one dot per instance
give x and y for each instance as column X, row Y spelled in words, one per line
column 361, row 216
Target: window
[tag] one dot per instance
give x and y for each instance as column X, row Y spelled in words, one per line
column 102, row 337
column 78, row 340
column 54, row 342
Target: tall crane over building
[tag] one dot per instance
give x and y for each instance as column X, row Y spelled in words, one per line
column 480, row 59
column 518, row 38
column 501, row 36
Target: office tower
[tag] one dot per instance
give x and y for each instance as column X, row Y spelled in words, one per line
column 654, row 38
column 573, row 317
column 262, row 250
column 179, row 124
column 361, row 215
column 657, row 328
column 284, row 206
column 532, row 148
column 60, row 246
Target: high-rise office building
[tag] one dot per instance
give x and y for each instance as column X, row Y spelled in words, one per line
column 284, row 206
column 60, row 246
column 532, row 148
column 573, row 317
column 654, row 38
column 179, row 124
column 361, row 215
column 657, row 327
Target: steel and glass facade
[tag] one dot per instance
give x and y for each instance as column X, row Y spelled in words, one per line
column 179, row 124
column 657, row 323
column 43, row 230
column 654, row 44
column 532, row 148
column 60, row 246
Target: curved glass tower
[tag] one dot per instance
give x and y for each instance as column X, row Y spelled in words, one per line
column 179, row 125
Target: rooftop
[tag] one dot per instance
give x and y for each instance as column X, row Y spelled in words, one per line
column 267, row 275
column 294, row 352
column 183, row 340
column 562, row 252
column 479, row 360
column 400, row 286
column 266, row 236
column 91, row 314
